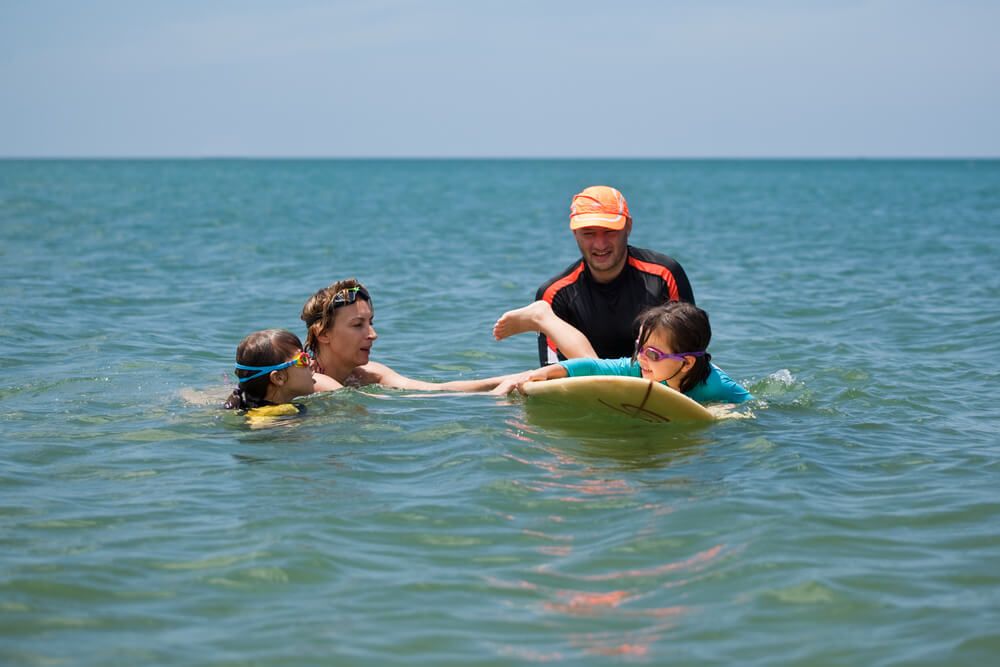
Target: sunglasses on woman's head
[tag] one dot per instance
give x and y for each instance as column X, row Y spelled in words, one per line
column 349, row 295
column 301, row 359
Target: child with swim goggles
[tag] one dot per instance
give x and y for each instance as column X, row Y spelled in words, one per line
column 272, row 369
column 672, row 348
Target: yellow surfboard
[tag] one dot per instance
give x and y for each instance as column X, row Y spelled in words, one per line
column 632, row 397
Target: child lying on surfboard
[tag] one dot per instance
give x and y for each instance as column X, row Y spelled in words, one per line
column 672, row 348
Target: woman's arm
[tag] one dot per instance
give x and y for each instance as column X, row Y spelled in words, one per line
column 387, row 377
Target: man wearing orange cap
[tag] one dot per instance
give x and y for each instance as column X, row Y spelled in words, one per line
column 603, row 292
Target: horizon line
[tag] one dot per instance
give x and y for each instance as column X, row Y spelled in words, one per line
column 498, row 157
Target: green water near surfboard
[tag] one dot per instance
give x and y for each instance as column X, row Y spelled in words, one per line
column 853, row 520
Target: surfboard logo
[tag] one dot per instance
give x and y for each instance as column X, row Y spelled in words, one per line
column 636, row 412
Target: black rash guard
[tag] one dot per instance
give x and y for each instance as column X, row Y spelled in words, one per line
column 606, row 312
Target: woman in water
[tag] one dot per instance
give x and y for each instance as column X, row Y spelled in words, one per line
column 273, row 368
column 672, row 348
column 340, row 334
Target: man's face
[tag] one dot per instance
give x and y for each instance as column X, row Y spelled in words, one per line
column 603, row 250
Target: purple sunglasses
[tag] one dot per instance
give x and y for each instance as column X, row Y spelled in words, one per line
column 655, row 354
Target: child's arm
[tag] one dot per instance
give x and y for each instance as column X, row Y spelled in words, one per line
column 570, row 340
column 538, row 316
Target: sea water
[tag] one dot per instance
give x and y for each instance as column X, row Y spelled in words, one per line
column 853, row 519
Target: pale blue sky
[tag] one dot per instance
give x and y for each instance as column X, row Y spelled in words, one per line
column 849, row 78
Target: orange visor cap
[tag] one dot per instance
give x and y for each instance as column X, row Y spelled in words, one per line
column 599, row 206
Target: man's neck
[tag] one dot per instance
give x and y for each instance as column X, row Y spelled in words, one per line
column 608, row 275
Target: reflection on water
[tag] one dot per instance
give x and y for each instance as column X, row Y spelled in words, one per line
column 577, row 580
column 630, row 444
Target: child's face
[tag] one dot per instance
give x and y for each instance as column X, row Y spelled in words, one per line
column 300, row 380
column 664, row 369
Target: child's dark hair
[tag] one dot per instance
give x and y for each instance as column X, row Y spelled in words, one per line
column 261, row 348
column 689, row 331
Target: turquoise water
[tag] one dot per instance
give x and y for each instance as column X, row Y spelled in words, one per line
column 854, row 520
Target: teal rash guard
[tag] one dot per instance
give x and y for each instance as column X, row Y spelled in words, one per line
column 716, row 388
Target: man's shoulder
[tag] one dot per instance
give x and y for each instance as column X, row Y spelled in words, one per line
column 655, row 267
column 646, row 256
column 567, row 276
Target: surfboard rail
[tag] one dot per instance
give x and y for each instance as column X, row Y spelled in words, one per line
column 636, row 398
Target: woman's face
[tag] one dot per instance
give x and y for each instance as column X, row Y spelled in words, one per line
column 350, row 339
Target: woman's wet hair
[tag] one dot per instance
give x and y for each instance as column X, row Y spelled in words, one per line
column 688, row 330
column 318, row 313
column 261, row 348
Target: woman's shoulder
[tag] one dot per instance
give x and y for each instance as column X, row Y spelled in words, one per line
column 371, row 373
column 322, row 382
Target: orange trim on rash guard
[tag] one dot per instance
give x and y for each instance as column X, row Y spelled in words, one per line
column 658, row 270
column 550, row 294
column 569, row 279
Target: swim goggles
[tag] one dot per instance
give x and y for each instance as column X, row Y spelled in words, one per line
column 301, row 359
column 655, row 354
column 349, row 295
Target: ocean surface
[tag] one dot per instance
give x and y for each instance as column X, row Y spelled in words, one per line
column 854, row 519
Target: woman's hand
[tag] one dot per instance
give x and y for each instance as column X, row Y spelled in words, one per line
column 518, row 380
column 510, row 383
